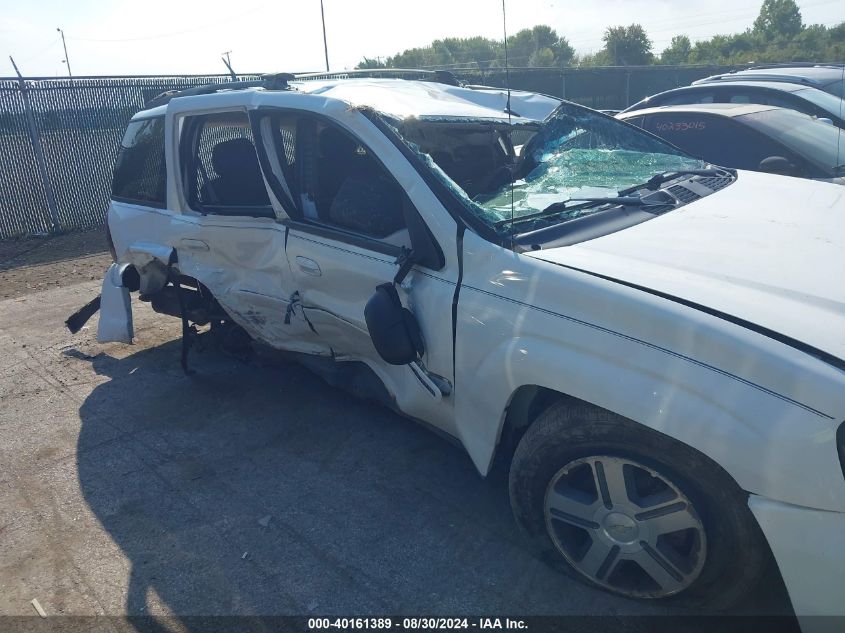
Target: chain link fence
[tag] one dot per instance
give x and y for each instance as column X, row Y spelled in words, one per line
column 59, row 137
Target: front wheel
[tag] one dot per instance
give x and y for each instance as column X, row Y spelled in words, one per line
column 632, row 511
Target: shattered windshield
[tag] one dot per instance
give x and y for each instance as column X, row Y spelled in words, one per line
column 498, row 170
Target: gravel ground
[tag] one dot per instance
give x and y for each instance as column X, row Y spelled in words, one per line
column 36, row 264
column 128, row 488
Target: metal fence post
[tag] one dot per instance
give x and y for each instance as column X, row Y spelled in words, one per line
column 39, row 152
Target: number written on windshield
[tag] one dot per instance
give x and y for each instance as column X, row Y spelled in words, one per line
column 681, row 126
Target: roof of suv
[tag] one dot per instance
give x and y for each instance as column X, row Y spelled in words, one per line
column 747, row 82
column 807, row 75
column 721, row 109
column 401, row 98
column 765, row 85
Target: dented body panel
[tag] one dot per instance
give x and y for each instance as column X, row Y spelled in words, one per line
column 617, row 321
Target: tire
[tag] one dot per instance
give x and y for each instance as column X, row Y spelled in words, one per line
column 634, row 512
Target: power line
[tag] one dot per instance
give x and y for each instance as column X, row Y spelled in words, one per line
column 40, row 51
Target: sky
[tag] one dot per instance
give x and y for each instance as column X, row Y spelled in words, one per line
column 110, row 37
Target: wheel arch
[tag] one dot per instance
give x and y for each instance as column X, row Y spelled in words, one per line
column 529, row 402
column 751, row 432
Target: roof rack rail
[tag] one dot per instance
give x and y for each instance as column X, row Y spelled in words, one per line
column 279, row 81
column 794, row 65
column 269, row 81
column 440, row 76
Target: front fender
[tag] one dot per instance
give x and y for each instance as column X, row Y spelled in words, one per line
column 767, row 445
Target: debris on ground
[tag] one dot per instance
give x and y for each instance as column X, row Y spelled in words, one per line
column 34, row 602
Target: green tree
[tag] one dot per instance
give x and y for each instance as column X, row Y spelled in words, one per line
column 528, row 43
column 627, row 46
column 678, row 51
column 368, row 63
column 836, row 43
column 777, row 35
column 542, row 58
column 778, row 19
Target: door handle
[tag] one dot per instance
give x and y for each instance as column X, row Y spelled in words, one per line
column 194, row 245
column 308, row 266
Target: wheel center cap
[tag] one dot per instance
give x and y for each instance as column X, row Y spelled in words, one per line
column 620, row 527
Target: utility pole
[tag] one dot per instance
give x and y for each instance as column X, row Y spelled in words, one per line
column 325, row 43
column 66, row 60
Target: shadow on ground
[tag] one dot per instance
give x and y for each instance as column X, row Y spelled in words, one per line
column 259, row 490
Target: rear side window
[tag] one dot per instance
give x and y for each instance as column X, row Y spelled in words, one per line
column 697, row 96
column 221, row 171
column 769, row 98
column 140, row 175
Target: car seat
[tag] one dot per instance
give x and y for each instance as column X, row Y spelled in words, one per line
column 239, row 180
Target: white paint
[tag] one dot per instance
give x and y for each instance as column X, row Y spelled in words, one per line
column 809, row 546
column 762, row 249
column 423, row 98
column 115, row 325
column 765, row 249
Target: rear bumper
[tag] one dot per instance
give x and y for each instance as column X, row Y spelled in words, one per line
column 115, row 308
column 809, row 547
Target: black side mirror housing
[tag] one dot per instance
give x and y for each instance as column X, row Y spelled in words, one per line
column 393, row 328
column 777, row 165
column 427, row 251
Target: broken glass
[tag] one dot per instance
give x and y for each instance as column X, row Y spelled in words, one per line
column 575, row 153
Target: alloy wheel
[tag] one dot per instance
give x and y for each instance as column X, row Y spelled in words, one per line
column 625, row 526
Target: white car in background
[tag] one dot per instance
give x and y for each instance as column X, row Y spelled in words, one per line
column 653, row 347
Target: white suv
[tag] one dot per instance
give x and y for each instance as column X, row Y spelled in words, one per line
column 651, row 345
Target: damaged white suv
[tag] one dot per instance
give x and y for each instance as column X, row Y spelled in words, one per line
column 654, row 347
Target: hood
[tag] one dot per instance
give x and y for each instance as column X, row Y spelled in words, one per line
column 767, row 249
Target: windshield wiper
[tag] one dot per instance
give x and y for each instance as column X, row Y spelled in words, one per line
column 563, row 205
column 655, row 181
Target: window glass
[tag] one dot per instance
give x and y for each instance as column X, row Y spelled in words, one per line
column 223, row 173
column 139, row 174
column 575, row 153
column 768, row 97
column 718, row 140
column 835, row 88
column 826, row 102
column 697, row 96
column 334, row 180
column 820, row 143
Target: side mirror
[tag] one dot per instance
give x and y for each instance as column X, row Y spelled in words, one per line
column 823, row 119
column 393, row 329
column 777, row 165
